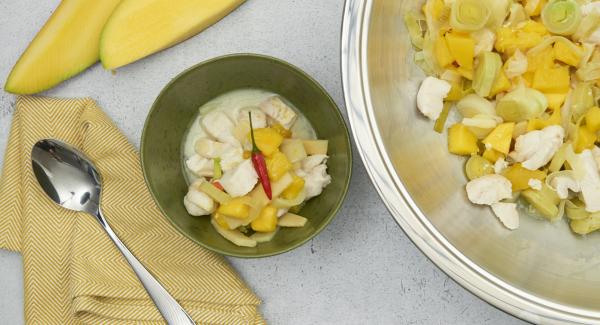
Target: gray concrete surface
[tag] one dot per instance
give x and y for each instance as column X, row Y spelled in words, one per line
column 361, row 270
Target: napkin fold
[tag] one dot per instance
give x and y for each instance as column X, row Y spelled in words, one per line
column 73, row 274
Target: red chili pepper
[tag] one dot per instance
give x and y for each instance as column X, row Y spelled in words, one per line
column 258, row 161
column 218, row 185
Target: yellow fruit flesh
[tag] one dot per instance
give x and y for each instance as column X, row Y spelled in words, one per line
column 267, row 140
column 519, row 176
column 592, row 119
column 266, row 221
column 277, row 165
column 461, row 141
column 462, row 49
column 138, row 28
column 500, row 138
column 66, row 45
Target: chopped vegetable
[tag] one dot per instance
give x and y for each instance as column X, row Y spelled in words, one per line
column 316, row 147
column 472, row 105
column 562, row 17
column 441, row 121
column 235, row 236
column 280, row 185
column 415, row 23
column 292, row 220
column 217, row 170
column 582, row 98
column 544, row 201
column 521, row 104
column 490, row 64
column 263, row 237
column 478, row 166
column 469, row 15
column 258, row 160
column 294, row 150
column 214, row 192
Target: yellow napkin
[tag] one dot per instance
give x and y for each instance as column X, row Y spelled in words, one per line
column 73, row 273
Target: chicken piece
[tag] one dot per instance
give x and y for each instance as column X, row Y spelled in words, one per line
column 507, row 213
column 208, row 148
column 590, row 182
column 200, row 166
column 596, row 154
column 489, row 189
column 196, row 202
column 562, row 184
column 218, row 125
column 277, row 110
column 535, row 184
column 313, row 161
column 240, row 180
column 315, row 181
column 231, row 157
column 259, row 118
column 430, row 97
column 500, row 165
column 536, row 148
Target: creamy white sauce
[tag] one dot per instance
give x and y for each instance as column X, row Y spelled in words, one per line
column 231, row 103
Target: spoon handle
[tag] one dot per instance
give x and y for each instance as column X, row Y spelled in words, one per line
column 169, row 308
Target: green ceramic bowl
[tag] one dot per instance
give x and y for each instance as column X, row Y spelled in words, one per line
column 177, row 105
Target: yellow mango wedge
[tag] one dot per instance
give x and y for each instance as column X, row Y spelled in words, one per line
column 66, row 45
column 139, row 28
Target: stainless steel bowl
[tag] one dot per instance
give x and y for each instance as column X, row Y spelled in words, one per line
column 540, row 272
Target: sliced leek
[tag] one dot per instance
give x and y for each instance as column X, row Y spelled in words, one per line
column 469, row 15
column 522, row 104
column 486, row 73
column 562, row 17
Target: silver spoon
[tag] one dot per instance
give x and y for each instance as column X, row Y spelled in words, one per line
column 72, row 181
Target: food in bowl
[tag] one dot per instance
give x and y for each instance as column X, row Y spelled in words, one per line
column 519, row 82
column 252, row 160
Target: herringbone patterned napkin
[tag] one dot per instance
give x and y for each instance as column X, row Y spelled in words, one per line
column 73, row 274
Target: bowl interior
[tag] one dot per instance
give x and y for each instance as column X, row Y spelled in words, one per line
column 540, row 258
column 178, row 104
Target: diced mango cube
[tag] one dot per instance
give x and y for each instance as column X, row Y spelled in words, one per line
column 592, row 119
column 500, row 138
column 277, row 165
column 462, row 49
column 501, row 84
column 544, row 59
column 585, row 139
column 442, row 53
column 236, row 208
column 292, row 191
column 552, row 80
column 281, row 130
column 563, row 53
column 461, row 141
column 492, row 155
column 509, row 40
column 520, row 176
column 555, row 101
column 466, row 73
column 267, row 140
column 221, row 221
column 539, row 124
column 266, row 221
column 532, row 26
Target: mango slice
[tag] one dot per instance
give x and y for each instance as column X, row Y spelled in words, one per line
column 139, row 28
column 66, row 45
